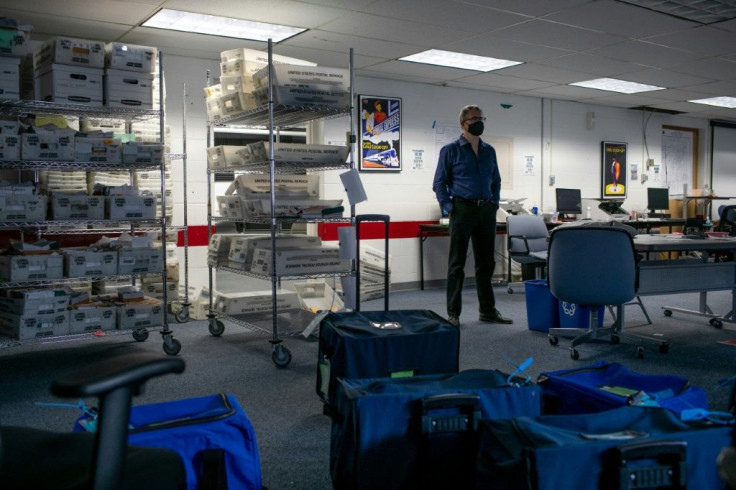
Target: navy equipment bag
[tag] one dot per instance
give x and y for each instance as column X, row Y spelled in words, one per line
column 602, row 386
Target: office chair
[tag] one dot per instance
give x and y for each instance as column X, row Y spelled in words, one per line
column 594, row 265
column 31, row 458
column 727, row 220
column 526, row 241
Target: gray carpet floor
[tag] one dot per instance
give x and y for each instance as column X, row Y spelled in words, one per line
column 293, row 434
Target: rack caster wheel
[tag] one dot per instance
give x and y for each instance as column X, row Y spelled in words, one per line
column 667, row 312
column 716, row 322
column 640, row 352
column 553, row 340
column 615, row 339
column 574, row 354
column 510, row 291
column 172, row 346
column 140, row 335
column 182, row 316
column 664, row 348
column 217, row 328
column 281, row 356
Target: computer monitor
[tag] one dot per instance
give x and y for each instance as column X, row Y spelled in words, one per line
column 568, row 201
column 658, row 199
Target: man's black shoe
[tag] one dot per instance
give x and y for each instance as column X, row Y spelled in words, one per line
column 494, row 317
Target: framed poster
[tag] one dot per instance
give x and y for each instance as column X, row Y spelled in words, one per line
column 380, row 133
column 614, row 170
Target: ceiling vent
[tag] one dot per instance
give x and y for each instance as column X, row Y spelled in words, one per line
column 701, row 11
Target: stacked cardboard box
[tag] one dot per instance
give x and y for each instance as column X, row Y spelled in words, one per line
column 33, row 313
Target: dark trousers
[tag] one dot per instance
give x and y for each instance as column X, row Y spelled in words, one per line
column 468, row 221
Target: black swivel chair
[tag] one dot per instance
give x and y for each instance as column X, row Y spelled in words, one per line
column 31, row 458
column 594, row 265
column 526, row 242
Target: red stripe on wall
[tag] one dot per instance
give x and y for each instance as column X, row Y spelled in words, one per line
column 375, row 230
column 197, row 235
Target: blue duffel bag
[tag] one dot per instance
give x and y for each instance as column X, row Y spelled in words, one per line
column 603, row 386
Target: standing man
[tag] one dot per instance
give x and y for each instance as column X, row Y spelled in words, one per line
column 467, row 184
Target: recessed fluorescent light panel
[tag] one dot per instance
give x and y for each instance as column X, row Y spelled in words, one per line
column 178, row 20
column 614, row 85
column 459, row 60
column 728, row 102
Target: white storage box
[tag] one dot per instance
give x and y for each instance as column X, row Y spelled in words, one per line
column 145, row 313
column 260, row 57
column 10, row 147
column 156, row 290
column 85, row 262
column 14, row 42
column 298, row 185
column 9, row 78
column 131, row 207
column 47, row 146
column 35, row 301
column 88, row 317
column 99, row 150
column 298, row 96
column 23, row 208
column 24, row 327
column 70, row 84
column 229, row 105
column 172, row 274
column 31, row 267
column 318, row 296
column 226, row 156
column 70, row 51
column 143, row 153
column 299, row 153
column 298, row 261
column 305, row 77
column 243, row 248
column 140, row 260
column 108, row 125
column 77, row 206
column 128, row 89
column 230, row 207
column 121, row 56
column 254, row 302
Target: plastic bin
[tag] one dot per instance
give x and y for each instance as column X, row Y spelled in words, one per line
column 542, row 309
column 575, row 316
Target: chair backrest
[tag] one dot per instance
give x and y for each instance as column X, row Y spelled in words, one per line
column 592, row 265
column 728, row 219
column 530, row 226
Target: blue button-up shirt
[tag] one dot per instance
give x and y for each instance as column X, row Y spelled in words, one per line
column 460, row 173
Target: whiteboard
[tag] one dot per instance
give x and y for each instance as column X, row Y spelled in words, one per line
column 447, row 133
column 677, row 160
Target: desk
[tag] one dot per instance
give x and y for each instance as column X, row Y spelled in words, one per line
column 426, row 231
column 648, row 224
column 687, row 275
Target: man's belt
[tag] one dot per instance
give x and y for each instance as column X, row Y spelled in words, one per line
column 474, row 202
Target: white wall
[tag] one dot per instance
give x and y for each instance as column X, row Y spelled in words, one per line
column 553, row 133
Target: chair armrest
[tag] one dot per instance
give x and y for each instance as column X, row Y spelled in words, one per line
column 526, row 245
column 102, row 377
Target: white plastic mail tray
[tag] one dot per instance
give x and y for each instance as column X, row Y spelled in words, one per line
column 23, row 208
column 47, row 146
column 31, row 267
column 23, row 327
column 131, row 207
column 90, row 263
column 226, row 156
column 77, row 206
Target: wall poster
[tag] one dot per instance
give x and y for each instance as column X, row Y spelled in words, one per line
column 614, row 171
column 380, row 133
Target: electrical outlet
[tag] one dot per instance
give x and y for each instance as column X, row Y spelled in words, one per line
column 551, row 180
column 650, row 162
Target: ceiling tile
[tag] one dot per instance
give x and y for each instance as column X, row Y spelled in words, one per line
column 529, row 7
column 333, row 41
column 587, row 63
column 620, row 19
column 449, row 14
column 557, row 35
column 507, row 49
column 704, row 40
column 428, row 72
column 722, row 87
column 645, row 53
column 494, row 80
column 388, row 29
column 664, row 78
column 116, row 12
column 545, row 73
column 716, row 68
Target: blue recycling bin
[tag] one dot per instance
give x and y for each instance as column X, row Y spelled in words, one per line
column 572, row 315
column 542, row 309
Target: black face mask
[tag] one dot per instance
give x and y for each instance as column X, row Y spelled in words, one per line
column 476, row 129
